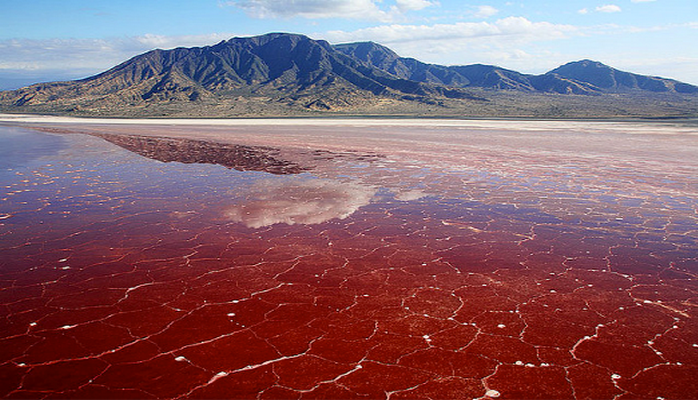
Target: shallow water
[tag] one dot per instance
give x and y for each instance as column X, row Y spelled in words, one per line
column 19, row 147
column 505, row 266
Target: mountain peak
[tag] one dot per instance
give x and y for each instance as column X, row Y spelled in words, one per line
column 268, row 37
column 612, row 80
column 587, row 63
column 289, row 39
column 369, row 52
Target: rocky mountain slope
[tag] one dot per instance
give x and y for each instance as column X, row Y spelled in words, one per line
column 609, row 79
column 581, row 77
column 286, row 74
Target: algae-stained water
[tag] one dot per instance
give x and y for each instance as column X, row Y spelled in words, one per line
column 464, row 265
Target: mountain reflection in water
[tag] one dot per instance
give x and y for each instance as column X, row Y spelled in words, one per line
column 308, row 201
column 188, row 151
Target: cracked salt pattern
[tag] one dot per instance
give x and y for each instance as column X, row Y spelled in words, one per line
column 434, row 273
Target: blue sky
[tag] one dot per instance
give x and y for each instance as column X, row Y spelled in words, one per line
column 65, row 39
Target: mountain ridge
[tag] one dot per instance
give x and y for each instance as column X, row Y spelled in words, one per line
column 291, row 74
column 576, row 77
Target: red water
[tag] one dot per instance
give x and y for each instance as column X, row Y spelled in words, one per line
column 123, row 277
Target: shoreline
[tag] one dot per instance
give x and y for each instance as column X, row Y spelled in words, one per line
column 432, row 141
column 428, row 143
column 652, row 126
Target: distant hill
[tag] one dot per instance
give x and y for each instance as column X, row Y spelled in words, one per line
column 581, row 77
column 609, row 79
column 287, row 74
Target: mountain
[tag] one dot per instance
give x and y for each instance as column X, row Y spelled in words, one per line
column 612, row 80
column 286, row 68
column 581, row 77
column 287, row 74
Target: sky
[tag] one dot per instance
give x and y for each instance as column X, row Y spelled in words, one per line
column 46, row 40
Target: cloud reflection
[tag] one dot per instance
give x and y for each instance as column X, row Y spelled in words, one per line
column 294, row 201
column 410, row 195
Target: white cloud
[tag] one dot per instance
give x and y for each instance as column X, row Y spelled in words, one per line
column 368, row 10
column 509, row 42
column 351, row 9
column 511, row 28
column 89, row 54
column 170, row 42
column 413, row 5
column 485, row 12
column 608, row 8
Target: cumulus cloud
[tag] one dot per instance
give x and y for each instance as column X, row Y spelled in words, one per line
column 299, row 201
column 369, row 10
column 413, row 5
column 511, row 28
column 484, row 12
column 351, row 9
column 608, row 8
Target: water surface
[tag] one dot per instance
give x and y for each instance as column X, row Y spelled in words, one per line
column 449, row 264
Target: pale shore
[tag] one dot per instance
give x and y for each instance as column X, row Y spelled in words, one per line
column 661, row 145
column 628, row 127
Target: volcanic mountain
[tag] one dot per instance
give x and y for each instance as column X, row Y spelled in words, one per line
column 287, row 74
